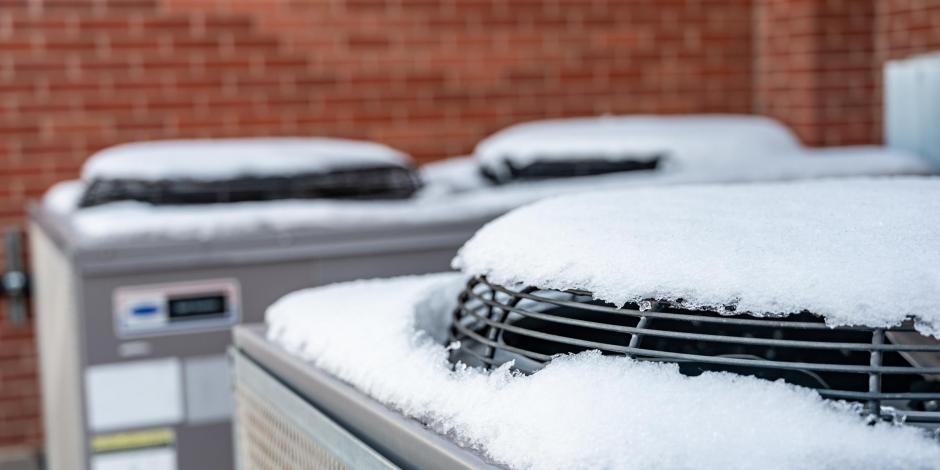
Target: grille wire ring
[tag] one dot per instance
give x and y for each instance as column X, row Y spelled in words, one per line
column 494, row 324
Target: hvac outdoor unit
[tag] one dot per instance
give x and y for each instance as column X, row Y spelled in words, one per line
column 291, row 415
column 132, row 338
column 133, row 331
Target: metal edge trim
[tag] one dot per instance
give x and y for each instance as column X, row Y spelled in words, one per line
column 403, row 441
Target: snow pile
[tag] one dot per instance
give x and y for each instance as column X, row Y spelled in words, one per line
column 686, row 140
column 859, row 251
column 221, row 159
column 581, row 411
column 455, row 174
column 443, row 200
column 140, row 222
column 63, row 197
column 810, row 163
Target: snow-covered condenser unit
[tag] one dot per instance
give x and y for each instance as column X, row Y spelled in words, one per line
column 142, row 269
column 577, row 333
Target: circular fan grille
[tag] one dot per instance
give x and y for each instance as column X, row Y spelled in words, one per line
column 893, row 371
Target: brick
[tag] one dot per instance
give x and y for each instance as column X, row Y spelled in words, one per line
column 367, row 41
column 166, row 23
column 103, row 23
column 131, row 5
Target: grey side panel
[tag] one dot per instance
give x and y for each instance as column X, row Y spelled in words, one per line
column 277, row 429
column 58, row 335
column 261, row 285
column 405, row 442
column 192, row 443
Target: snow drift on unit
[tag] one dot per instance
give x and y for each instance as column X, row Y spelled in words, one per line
column 454, row 192
column 581, row 411
column 221, row 159
column 686, row 140
column 858, row 252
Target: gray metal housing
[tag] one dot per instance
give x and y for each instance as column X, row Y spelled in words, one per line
column 292, row 415
column 75, row 284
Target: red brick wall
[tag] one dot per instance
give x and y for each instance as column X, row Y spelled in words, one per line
column 903, row 28
column 906, row 27
column 816, row 70
column 19, row 389
column 431, row 77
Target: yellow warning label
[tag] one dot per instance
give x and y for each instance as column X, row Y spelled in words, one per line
column 159, row 437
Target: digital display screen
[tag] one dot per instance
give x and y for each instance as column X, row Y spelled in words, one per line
column 182, row 308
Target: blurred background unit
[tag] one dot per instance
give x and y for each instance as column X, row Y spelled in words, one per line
column 912, row 104
column 132, row 333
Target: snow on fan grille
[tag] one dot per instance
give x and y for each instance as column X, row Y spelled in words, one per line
column 858, row 252
column 220, row 159
column 581, row 411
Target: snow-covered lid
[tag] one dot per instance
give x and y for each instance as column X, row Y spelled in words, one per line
column 858, row 251
column 681, row 138
column 222, row 159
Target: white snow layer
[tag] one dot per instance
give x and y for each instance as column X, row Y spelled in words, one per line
column 220, row 159
column 581, row 411
column 687, row 140
column 443, row 199
column 858, row 251
column 455, row 174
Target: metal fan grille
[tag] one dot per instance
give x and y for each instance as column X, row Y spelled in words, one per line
column 894, row 371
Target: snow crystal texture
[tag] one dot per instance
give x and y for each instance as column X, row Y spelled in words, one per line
column 583, row 411
column 858, row 251
column 689, row 139
column 220, row 159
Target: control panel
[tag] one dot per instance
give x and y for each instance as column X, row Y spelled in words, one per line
column 159, row 309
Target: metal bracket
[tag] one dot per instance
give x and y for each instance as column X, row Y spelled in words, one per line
column 14, row 283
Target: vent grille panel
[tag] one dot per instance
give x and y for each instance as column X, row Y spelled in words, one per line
column 268, row 441
column 890, row 374
column 278, row 428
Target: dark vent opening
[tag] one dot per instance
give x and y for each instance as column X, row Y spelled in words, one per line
column 547, row 169
column 816, row 379
column 359, row 183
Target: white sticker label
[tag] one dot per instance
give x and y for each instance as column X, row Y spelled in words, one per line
column 146, row 459
column 134, row 394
